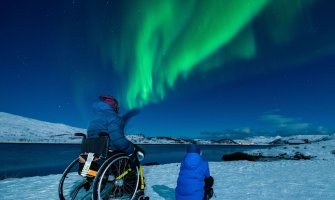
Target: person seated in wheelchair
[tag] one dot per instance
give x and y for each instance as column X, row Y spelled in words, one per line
column 107, row 120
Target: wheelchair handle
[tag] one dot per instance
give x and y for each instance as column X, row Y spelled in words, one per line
column 140, row 153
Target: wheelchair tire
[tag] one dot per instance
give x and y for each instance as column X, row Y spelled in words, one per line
column 106, row 186
column 71, row 183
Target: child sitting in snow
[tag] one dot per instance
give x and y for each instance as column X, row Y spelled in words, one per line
column 194, row 181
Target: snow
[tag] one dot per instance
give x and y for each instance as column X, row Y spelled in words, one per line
column 283, row 179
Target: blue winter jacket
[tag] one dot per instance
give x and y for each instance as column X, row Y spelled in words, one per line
column 108, row 121
column 193, row 171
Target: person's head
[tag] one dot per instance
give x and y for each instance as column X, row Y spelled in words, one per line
column 111, row 101
column 193, row 148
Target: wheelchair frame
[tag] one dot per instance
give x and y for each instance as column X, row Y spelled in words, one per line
column 105, row 175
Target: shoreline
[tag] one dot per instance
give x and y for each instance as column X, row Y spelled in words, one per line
column 144, row 144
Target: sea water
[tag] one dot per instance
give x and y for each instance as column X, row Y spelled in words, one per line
column 22, row 160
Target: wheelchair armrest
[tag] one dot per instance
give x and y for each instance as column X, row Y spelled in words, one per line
column 80, row 134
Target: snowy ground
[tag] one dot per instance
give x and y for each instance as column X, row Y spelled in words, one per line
column 285, row 179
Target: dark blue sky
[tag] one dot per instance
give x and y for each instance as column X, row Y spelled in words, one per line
column 52, row 70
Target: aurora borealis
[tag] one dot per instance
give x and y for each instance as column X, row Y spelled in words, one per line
column 161, row 41
column 241, row 59
column 172, row 37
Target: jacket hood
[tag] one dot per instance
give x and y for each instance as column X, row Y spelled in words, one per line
column 193, row 148
column 192, row 160
column 99, row 106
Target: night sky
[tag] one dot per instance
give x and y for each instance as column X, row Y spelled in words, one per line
column 196, row 68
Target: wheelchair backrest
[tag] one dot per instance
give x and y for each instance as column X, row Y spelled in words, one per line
column 95, row 145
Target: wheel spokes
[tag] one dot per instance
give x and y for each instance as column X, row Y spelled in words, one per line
column 123, row 183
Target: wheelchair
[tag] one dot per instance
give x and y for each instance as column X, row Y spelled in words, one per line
column 99, row 173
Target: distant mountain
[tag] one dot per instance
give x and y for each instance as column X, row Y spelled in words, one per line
column 141, row 139
column 296, row 147
column 301, row 139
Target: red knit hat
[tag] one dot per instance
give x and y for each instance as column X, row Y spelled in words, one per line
column 111, row 101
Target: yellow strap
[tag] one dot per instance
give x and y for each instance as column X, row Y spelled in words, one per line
column 123, row 174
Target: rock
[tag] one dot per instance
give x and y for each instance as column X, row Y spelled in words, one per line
column 240, row 156
column 300, row 156
column 260, row 157
column 225, row 141
column 333, row 152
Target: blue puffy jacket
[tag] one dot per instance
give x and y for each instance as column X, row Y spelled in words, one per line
column 108, row 121
column 193, row 171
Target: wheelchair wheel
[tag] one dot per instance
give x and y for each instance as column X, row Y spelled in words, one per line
column 72, row 185
column 115, row 179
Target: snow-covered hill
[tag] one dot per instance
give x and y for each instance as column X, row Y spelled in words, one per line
column 278, row 140
column 15, row 128
column 301, row 147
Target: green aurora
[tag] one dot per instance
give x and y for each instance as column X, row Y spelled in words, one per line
column 152, row 44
